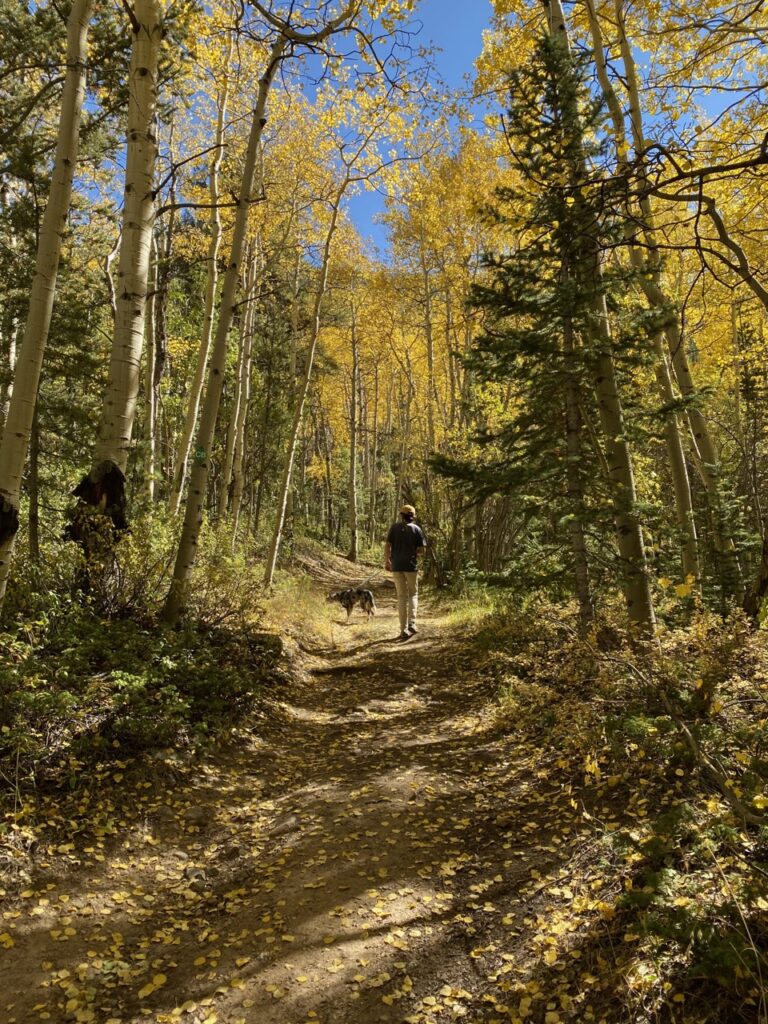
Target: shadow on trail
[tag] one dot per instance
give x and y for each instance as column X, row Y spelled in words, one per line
column 356, row 840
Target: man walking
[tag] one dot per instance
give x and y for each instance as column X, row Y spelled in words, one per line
column 405, row 542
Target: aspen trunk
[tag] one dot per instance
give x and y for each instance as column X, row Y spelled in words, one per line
column 234, row 418
column 325, row 433
column 104, row 486
column 294, row 356
column 193, row 518
column 265, row 423
column 222, row 502
column 449, row 357
column 11, row 365
column 238, row 459
column 34, row 487
column 636, row 584
column 150, row 394
column 353, row 546
column 23, row 401
column 211, row 282
column 157, row 331
column 706, row 457
column 629, row 536
column 672, row 432
column 9, row 347
column 575, row 481
column 303, row 391
column 405, row 422
column 374, row 467
column 429, row 334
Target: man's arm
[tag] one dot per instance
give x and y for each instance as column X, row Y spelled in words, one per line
column 423, row 547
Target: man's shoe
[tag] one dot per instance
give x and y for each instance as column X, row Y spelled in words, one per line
column 412, row 629
column 405, row 635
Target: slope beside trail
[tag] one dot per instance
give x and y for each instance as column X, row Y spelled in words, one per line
column 376, row 853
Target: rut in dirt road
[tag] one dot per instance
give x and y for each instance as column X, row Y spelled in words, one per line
column 361, row 861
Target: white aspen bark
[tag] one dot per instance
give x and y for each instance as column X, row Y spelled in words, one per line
column 11, row 363
column 193, row 518
column 13, row 331
column 33, row 488
column 449, row 357
column 222, row 502
column 405, row 437
column 240, row 404
column 23, row 401
column 150, row 395
column 303, row 390
column 109, row 280
column 229, row 442
column 353, row 545
column 673, row 434
column 429, row 334
column 211, row 283
column 119, row 405
column 238, row 468
column 374, row 471
column 294, row 353
column 629, row 536
column 574, row 476
column 706, row 456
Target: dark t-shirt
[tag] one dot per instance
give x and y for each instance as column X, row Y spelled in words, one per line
column 405, row 539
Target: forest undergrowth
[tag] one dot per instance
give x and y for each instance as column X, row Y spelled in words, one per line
column 97, row 695
column 645, row 764
column 662, row 751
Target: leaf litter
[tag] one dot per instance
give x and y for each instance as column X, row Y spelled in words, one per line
column 378, row 852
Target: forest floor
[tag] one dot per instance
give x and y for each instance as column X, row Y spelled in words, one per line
column 376, row 850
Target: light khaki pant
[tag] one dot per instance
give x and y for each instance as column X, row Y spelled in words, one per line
column 407, row 587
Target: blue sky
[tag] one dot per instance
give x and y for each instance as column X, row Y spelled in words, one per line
column 456, row 27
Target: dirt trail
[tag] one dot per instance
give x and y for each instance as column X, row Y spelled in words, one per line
column 371, row 857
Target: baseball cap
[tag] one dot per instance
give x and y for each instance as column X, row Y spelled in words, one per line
column 408, row 510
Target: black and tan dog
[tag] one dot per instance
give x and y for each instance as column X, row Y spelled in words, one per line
column 349, row 598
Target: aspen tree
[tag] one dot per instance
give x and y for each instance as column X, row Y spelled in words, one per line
column 104, row 486
column 373, row 481
column 673, row 435
column 636, row 582
column 285, row 37
column 238, row 462
column 353, row 408
column 706, row 459
column 303, row 389
column 193, row 518
column 150, row 391
column 211, row 283
column 156, row 320
column 245, row 334
column 236, row 431
column 23, row 401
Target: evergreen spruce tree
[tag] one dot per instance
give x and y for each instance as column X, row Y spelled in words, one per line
column 539, row 298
